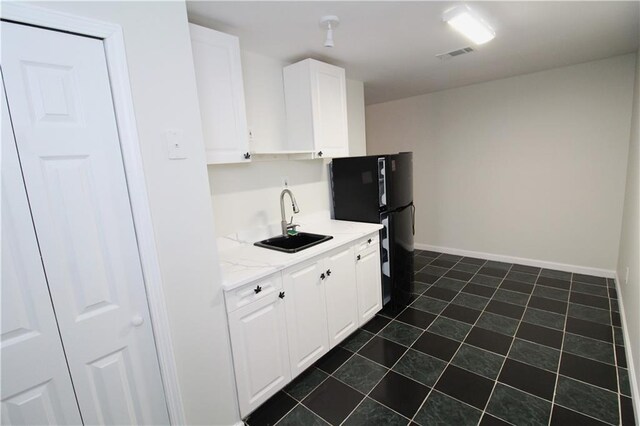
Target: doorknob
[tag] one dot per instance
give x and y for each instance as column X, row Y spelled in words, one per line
column 137, row 320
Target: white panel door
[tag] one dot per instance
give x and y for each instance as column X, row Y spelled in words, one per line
column 260, row 351
column 35, row 384
column 369, row 284
column 61, row 107
column 341, row 295
column 306, row 315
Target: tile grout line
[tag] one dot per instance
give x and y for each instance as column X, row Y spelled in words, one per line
column 437, row 316
column 431, row 388
column 615, row 356
column 564, row 335
column 535, row 284
column 299, row 402
column 495, row 383
column 389, row 369
column 461, row 344
column 384, row 366
column 421, row 334
column 386, row 373
column 356, row 353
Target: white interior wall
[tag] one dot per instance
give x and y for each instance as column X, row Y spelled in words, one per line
column 356, row 116
column 531, row 166
column 162, row 79
column 630, row 246
column 246, row 196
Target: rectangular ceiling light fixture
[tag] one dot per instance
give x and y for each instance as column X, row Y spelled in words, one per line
column 463, row 20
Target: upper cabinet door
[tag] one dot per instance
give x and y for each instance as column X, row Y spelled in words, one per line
column 216, row 57
column 329, row 99
column 316, row 104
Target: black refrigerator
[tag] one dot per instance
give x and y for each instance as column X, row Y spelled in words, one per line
column 379, row 189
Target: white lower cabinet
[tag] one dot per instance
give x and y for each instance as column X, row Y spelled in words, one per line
column 282, row 324
column 306, row 314
column 260, row 350
column 341, row 294
column 369, row 282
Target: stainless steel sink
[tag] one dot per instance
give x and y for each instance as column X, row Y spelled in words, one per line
column 293, row 243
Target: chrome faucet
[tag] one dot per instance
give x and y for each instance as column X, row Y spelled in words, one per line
column 284, row 224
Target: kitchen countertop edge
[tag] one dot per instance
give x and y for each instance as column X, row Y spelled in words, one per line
column 244, row 263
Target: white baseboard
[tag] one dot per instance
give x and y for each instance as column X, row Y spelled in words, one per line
column 635, row 386
column 522, row 261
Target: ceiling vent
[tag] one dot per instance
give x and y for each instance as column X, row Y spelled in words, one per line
column 454, row 53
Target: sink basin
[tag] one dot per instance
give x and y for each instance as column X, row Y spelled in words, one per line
column 293, row 243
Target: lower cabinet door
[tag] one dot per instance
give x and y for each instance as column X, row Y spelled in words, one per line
column 369, row 285
column 306, row 314
column 259, row 342
column 341, row 295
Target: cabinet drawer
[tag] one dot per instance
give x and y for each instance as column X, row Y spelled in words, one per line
column 368, row 243
column 253, row 291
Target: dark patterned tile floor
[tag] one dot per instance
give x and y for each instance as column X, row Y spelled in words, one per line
column 483, row 343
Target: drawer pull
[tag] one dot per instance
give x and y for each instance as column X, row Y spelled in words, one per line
column 281, row 295
column 258, row 289
column 358, row 257
column 369, row 240
column 322, row 276
column 328, row 272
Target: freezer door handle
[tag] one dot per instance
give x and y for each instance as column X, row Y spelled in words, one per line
column 413, row 218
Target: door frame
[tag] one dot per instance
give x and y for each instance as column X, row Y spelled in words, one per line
column 114, row 47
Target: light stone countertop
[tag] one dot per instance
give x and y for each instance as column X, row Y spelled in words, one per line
column 241, row 262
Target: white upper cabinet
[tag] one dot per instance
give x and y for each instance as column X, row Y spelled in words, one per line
column 316, row 105
column 216, row 57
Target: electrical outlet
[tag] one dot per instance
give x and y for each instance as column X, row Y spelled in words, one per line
column 285, row 181
column 626, row 276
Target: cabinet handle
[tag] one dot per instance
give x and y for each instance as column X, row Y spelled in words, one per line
column 247, row 156
column 320, row 154
column 358, row 257
column 322, row 277
column 328, row 272
column 281, row 295
column 258, row 289
column 369, row 240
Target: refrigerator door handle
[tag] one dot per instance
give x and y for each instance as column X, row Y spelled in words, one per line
column 413, row 218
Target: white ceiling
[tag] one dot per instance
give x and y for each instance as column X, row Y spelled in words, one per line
column 391, row 46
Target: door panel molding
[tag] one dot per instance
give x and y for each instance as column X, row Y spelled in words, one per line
column 36, row 386
column 112, row 36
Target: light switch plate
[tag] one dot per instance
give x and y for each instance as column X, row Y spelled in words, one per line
column 175, row 144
